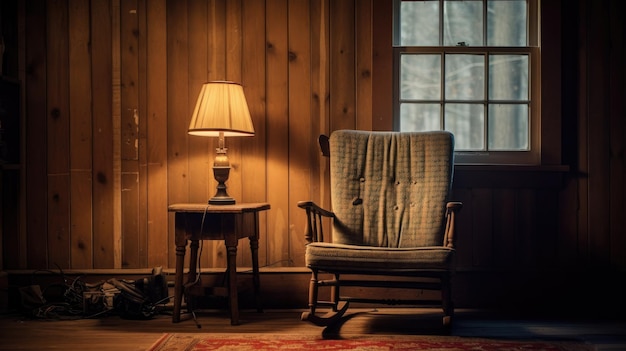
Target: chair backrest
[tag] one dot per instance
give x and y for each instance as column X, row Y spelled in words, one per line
column 389, row 189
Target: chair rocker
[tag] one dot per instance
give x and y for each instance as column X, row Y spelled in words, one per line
column 390, row 218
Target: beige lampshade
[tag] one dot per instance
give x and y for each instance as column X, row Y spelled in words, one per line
column 221, row 107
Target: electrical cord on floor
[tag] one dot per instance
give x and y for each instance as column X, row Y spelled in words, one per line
column 198, row 268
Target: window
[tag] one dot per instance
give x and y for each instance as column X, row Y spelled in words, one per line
column 470, row 67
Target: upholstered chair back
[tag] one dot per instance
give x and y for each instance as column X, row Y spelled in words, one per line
column 389, row 189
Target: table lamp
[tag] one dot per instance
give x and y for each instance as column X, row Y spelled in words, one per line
column 221, row 111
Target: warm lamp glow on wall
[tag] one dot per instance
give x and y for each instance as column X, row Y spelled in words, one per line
column 221, row 111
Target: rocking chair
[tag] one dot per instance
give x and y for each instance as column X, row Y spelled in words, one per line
column 390, row 217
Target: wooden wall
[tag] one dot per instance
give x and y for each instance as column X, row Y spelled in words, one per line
column 108, row 87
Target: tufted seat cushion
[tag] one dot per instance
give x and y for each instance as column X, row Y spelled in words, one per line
column 368, row 259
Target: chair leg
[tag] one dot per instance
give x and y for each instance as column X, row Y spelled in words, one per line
column 313, row 288
column 334, row 293
column 332, row 316
column 446, row 299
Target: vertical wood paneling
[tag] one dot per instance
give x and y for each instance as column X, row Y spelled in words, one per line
column 156, row 145
column 35, row 161
column 217, row 53
column 129, row 123
column 527, row 224
column 58, row 134
column 200, row 155
column 598, row 134
column 277, row 114
column 546, row 232
column 342, row 65
column 504, row 229
column 142, row 98
column 99, row 177
column 617, row 88
column 363, row 41
column 300, row 142
column 177, row 110
column 234, row 57
column 80, row 135
column 583, row 144
column 320, row 109
column 103, row 177
column 482, row 231
column 382, row 74
column 116, row 117
column 253, row 166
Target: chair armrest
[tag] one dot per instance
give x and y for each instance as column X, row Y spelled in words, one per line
column 315, row 214
column 452, row 208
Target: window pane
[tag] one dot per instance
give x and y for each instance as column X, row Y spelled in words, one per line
column 463, row 22
column 508, row 127
column 465, row 77
column 419, row 23
column 506, row 23
column 419, row 117
column 466, row 122
column 508, row 77
column 420, row 77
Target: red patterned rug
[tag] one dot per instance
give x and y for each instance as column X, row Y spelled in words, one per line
column 245, row 342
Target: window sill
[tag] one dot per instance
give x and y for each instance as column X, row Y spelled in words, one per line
column 509, row 176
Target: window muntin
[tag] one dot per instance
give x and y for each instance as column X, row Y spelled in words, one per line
column 466, row 66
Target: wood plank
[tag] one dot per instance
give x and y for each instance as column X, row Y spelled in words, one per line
column 382, row 66
column 342, row 65
column 320, row 104
column 129, row 131
column 277, row 110
column 527, row 226
column 103, row 176
column 130, row 205
column 617, row 87
column 22, row 250
column 301, row 122
column 80, row 138
column 253, row 164
column 57, row 86
column 58, row 221
column 142, row 100
column 482, row 231
column 505, row 254
column 364, row 65
column 582, row 218
column 599, row 137
column 35, row 161
column 116, row 118
column 216, row 61
column 11, row 240
column 234, row 59
column 200, row 154
column 545, row 235
column 156, row 125
column 177, row 106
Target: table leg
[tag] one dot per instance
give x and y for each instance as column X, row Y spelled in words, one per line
column 232, row 283
column 254, row 248
column 178, row 282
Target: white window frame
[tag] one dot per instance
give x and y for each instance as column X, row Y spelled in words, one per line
column 529, row 157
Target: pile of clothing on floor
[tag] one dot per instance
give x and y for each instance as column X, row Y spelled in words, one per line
column 74, row 298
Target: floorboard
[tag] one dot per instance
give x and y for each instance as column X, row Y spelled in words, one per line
column 115, row 333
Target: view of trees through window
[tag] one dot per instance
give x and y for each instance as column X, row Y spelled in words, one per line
column 464, row 66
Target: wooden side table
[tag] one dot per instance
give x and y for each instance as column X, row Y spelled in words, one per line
column 221, row 222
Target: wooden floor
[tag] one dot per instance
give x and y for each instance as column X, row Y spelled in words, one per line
column 115, row 333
